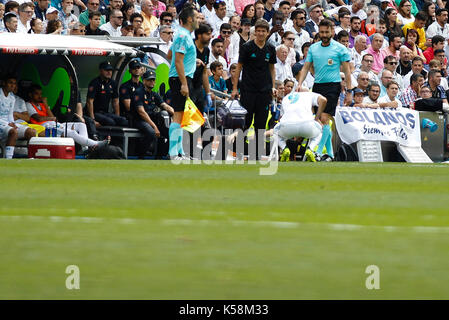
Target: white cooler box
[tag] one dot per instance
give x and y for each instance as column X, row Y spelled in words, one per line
column 51, row 148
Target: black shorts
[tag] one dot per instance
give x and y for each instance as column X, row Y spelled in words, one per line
column 178, row 101
column 331, row 91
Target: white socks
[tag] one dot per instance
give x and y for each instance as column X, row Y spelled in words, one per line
column 9, row 152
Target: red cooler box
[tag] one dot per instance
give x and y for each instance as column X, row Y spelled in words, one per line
column 51, row 148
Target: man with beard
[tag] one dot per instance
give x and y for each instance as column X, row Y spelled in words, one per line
column 355, row 31
column 201, row 88
column 327, row 56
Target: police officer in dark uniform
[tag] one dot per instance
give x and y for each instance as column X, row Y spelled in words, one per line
column 129, row 88
column 147, row 110
column 102, row 90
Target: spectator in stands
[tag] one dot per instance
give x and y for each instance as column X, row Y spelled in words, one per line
column 2, row 13
column 218, row 17
column 315, row 15
column 358, row 95
column 101, row 91
column 355, row 31
column 438, row 42
column 411, row 42
column 139, row 32
column 356, row 9
column 299, row 22
column 367, row 62
column 93, row 28
column 217, row 53
column 440, row 26
column 208, row 11
column 410, row 94
column 385, row 77
column 115, row 23
column 41, row 8
column 66, row 15
column 166, row 19
column 429, row 9
column 150, row 22
column 405, row 57
column 377, row 54
column 275, row 35
column 225, row 34
column 436, row 65
column 417, row 67
column 363, row 81
column 249, row 12
column 269, row 10
column 357, row 51
column 288, row 39
column 289, row 84
column 54, row 27
column 216, row 80
column 128, row 9
column 12, row 6
column 392, row 90
column 77, row 29
column 113, row 5
column 136, row 20
column 127, row 29
column 393, row 27
column 418, row 25
column 284, row 8
column 394, row 44
column 373, row 95
column 282, row 67
column 405, row 13
column 92, row 5
column 260, row 10
column 344, row 16
column 36, row 26
column 343, row 38
column 433, row 82
column 26, row 11
column 11, row 22
column 390, row 63
column 439, row 55
column 158, row 8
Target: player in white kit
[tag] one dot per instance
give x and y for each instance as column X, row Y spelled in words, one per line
column 298, row 120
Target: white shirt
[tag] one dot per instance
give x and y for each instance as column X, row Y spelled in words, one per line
column 207, row 14
column 234, row 48
column 339, row 28
column 300, row 38
column 6, row 107
column 361, row 13
column 297, row 106
column 371, row 75
column 356, row 57
column 283, row 70
column 157, row 58
column 435, row 29
column 385, row 99
column 110, row 29
column 403, row 20
column 21, row 28
column 368, row 100
column 220, row 59
column 216, row 24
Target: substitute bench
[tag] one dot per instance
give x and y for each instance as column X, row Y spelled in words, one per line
column 124, row 133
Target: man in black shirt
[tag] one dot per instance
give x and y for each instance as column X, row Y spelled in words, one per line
column 256, row 59
column 200, row 83
column 146, row 110
column 93, row 28
column 100, row 92
column 129, row 88
column 404, row 65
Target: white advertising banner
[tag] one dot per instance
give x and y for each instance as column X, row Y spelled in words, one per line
column 398, row 125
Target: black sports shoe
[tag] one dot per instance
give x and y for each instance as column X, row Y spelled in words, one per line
column 326, row 158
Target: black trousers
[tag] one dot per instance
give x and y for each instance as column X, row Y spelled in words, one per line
column 110, row 119
column 257, row 105
column 148, row 132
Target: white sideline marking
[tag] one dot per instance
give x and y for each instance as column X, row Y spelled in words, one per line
column 190, row 222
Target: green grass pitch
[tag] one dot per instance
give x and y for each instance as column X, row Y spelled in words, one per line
column 154, row 230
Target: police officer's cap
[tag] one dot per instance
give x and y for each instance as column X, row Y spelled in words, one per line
column 134, row 64
column 106, row 65
column 149, row 75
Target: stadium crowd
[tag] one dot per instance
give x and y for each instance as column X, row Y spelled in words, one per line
column 397, row 51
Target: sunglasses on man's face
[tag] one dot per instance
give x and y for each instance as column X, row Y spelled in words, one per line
column 167, row 20
column 226, row 32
